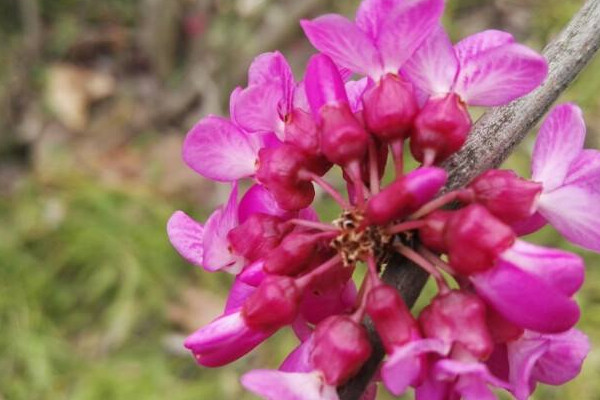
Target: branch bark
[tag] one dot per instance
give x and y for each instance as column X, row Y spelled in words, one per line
column 493, row 138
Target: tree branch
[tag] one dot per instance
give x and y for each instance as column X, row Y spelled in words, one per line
column 493, row 138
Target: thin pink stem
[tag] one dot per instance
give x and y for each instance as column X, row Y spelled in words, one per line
column 327, row 187
column 425, row 264
column 435, row 259
column 369, row 282
column 305, row 280
column 313, row 224
column 373, row 168
column 404, row 226
column 435, row 204
column 397, row 147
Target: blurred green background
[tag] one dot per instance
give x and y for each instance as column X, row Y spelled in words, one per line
column 95, row 99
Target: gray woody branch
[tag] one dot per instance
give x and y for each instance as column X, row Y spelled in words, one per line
column 493, row 138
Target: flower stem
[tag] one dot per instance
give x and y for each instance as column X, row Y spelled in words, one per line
column 313, row 224
column 435, row 204
column 404, row 226
column 373, row 168
column 425, row 264
column 305, row 280
column 397, row 147
column 327, row 187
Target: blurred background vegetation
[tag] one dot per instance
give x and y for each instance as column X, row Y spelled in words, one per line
column 95, row 99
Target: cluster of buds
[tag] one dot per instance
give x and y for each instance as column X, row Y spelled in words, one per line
column 508, row 321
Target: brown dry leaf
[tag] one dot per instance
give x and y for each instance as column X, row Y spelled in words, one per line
column 71, row 90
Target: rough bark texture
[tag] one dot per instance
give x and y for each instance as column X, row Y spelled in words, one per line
column 493, row 138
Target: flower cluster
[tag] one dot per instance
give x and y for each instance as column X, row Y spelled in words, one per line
column 391, row 77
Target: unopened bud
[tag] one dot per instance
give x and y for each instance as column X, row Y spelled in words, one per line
column 274, row 303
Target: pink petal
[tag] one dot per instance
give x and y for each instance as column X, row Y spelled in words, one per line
column 185, row 235
column 238, row 294
column 404, row 367
column 355, row 90
column 371, row 15
column 433, row 389
column 558, row 268
column 403, row 31
column 526, row 300
column 574, row 210
column 217, row 250
column 347, row 45
column 476, row 44
column 277, row 385
column 259, row 200
column 449, row 369
column 433, row 67
column 268, row 67
column 563, row 357
column 257, row 108
column 218, row 150
column 299, row 359
column 337, row 300
column 253, row 274
column 224, row 340
column 522, row 357
column 500, row 75
column 558, row 145
column 473, row 388
column 585, row 170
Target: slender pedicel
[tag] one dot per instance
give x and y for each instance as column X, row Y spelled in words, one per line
column 326, row 187
column 425, row 264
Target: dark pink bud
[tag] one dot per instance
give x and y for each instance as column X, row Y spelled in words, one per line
column 432, row 233
column 405, row 195
column 343, row 139
column 475, row 238
column 274, row 303
column 458, row 318
column 441, row 127
column 293, row 255
column 279, row 170
column 504, row 194
column 390, row 108
column 341, row 347
column 257, row 236
column 393, row 320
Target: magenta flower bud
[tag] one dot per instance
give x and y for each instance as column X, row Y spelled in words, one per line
column 432, row 233
column 405, row 195
column 501, row 329
column 293, row 255
column 475, row 238
column 342, row 137
column 393, row 320
column 257, row 236
column 441, row 127
column 506, row 195
column 390, row 108
column 279, row 170
column 341, row 347
column 273, row 305
column 458, row 318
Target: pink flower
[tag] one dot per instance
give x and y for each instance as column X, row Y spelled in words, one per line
column 570, row 177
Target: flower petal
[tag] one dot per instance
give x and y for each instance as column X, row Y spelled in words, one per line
column 258, row 199
column 473, row 45
column 558, row 145
column 355, row 90
column 574, row 210
column 253, row 274
column 526, row 300
column 558, row 268
column 404, row 366
column 522, row 357
column 218, row 150
column 433, row 67
column 341, row 40
column 238, row 294
column 217, row 250
column 404, row 29
column 277, row 385
column 500, row 75
column 530, row 225
column 563, row 358
column 257, row 108
column 299, row 359
column 186, row 235
column 585, row 170
column 268, row 67
column 224, row 340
